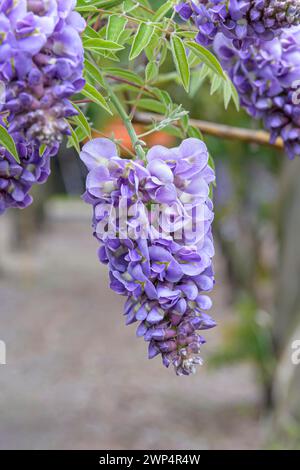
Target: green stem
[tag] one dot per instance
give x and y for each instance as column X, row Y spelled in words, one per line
column 128, row 124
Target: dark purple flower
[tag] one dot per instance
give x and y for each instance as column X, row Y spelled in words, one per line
column 41, row 63
column 243, row 21
column 160, row 253
column 16, row 179
column 267, row 80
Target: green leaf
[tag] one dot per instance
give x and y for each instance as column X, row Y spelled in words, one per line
column 180, row 60
column 8, row 142
column 211, row 162
column 143, row 11
column 115, row 27
column 151, row 71
column 90, row 33
column 234, row 95
column 187, row 34
column 130, row 5
column 195, row 132
column 86, row 8
column 108, row 55
column 125, row 74
column 125, row 36
column 92, row 93
column 163, row 10
column 151, row 105
column 125, row 87
column 102, row 31
column 107, row 4
column 142, row 38
column 174, row 131
column 42, row 149
column 227, row 93
column 163, row 53
column 82, row 121
column 215, row 84
column 185, row 122
column 146, row 3
column 197, row 79
column 207, row 57
column 153, row 48
column 102, row 44
column 91, row 5
column 73, row 140
column 81, row 135
column 194, row 61
column 94, row 72
column 163, row 96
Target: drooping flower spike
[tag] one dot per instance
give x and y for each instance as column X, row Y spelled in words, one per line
column 267, row 80
column 41, row 63
column 16, row 179
column 153, row 221
column 243, row 21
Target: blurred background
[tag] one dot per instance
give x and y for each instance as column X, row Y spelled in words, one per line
column 77, row 378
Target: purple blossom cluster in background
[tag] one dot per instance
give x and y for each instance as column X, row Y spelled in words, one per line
column 165, row 276
column 41, row 64
column 16, row 179
column 258, row 43
column 265, row 77
column 242, row 21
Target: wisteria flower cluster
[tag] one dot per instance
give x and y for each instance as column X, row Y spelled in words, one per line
column 16, row 179
column 242, row 21
column 153, row 221
column 41, row 63
column 265, row 78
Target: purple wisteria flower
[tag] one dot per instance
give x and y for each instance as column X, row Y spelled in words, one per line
column 267, row 80
column 16, row 179
column 41, row 64
column 243, row 21
column 153, row 221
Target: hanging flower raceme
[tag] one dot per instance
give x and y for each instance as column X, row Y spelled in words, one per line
column 153, row 220
column 41, row 63
column 267, row 79
column 243, row 21
column 16, row 179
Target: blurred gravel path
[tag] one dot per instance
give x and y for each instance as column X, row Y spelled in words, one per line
column 77, row 378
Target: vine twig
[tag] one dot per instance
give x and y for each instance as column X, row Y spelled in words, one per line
column 217, row 130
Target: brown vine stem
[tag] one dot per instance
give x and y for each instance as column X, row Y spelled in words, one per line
column 217, row 130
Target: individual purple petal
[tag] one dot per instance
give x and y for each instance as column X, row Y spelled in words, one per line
column 96, row 152
column 161, row 170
